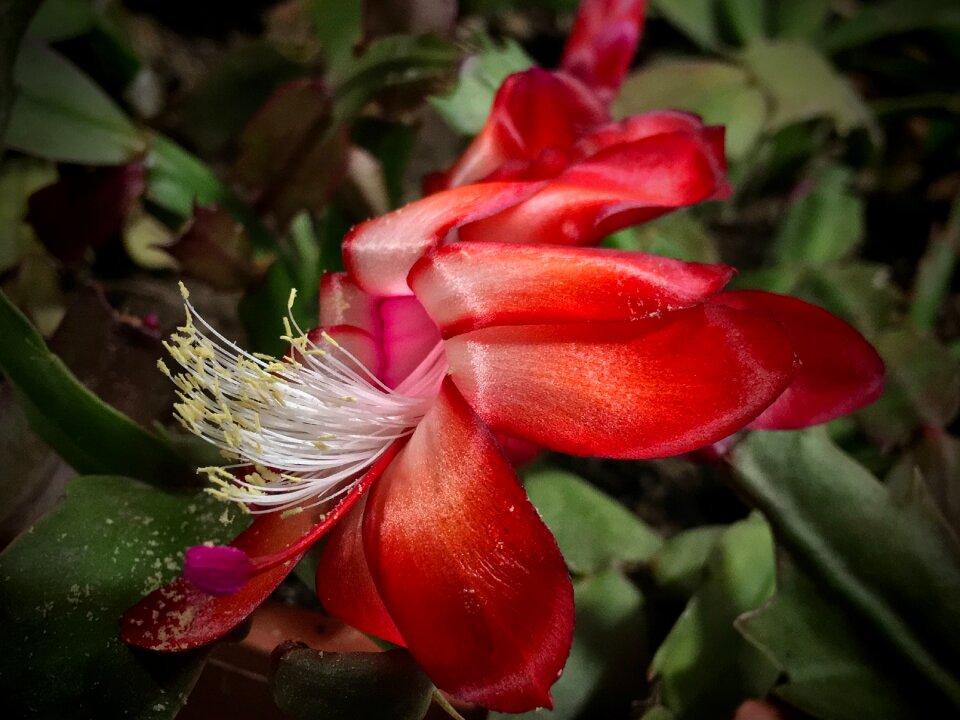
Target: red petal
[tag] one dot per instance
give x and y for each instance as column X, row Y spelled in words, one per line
column 622, row 185
column 839, row 371
column 342, row 302
column 379, row 253
column 408, row 336
column 357, row 342
column 644, row 125
column 469, row 572
column 603, row 42
column 467, row 286
column 648, row 388
column 180, row 617
column 532, row 111
column 344, row 584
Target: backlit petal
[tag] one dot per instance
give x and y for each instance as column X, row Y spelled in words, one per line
column 839, row 371
column 467, row 286
column 469, row 573
column 648, row 388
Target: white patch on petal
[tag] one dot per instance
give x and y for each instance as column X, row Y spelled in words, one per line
column 310, row 426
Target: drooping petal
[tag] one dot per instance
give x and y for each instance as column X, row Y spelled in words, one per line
column 467, row 286
column 602, row 43
column 648, row 388
column 838, row 370
column 179, row 616
column 533, row 111
column 380, row 252
column 621, row 185
column 469, row 573
column 648, row 124
column 344, row 584
column 342, row 302
column 408, row 336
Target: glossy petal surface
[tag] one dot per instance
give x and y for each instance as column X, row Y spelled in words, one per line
column 621, row 185
column 344, row 584
column 467, row 286
column 648, row 388
column 469, row 573
column 408, row 336
column 342, row 302
column 603, row 42
column 838, row 372
column 380, row 252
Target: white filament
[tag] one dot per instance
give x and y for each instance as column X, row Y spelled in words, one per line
column 310, row 424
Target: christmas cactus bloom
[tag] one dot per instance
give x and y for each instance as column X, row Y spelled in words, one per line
column 382, row 427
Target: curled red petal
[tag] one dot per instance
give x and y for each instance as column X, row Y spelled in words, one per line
column 838, row 371
column 533, row 111
column 603, row 42
column 622, row 185
column 380, row 252
column 467, row 286
column 469, row 573
column 344, row 584
column 648, row 388
column 408, row 336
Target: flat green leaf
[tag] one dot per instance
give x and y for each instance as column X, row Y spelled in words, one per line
column 312, row 685
column 859, row 292
column 705, row 667
column 720, row 92
column 65, row 585
column 61, row 114
column 19, row 179
column 594, row 532
column 658, row 712
column 678, row 235
column 825, row 224
column 892, row 560
column 339, row 27
column 931, row 286
column 607, row 653
column 467, row 106
column 16, row 18
column 799, row 20
column 880, row 19
column 58, row 20
column 816, row 92
column 746, row 18
column 833, row 666
column 88, row 434
column 696, row 18
column 679, row 565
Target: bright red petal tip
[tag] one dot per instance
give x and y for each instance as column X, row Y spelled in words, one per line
column 838, row 372
column 218, row 570
column 467, row 286
column 648, row 388
column 466, row 568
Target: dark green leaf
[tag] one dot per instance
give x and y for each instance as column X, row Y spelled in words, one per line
column 467, row 106
column 834, row 670
column 817, row 92
column 891, row 560
column 859, row 292
column 932, row 283
column 608, row 649
column 705, row 667
column 14, row 20
column 58, row 20
column 90, row 435
column 60, row 114
column 312, row 685
column 880, row 19
column 746, row 18
column 678, row 235
column 825, row 224
column 800, row 20
column 67, row 581
column 720, row 92
column 262, row 310
column 339, row 26
column 696, row 18
column 936, row 458
column 679, row 565
column 593, row 531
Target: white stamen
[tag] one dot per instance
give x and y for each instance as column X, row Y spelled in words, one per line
column 309, row 424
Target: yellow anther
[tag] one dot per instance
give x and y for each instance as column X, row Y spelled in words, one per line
column 292, row 298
